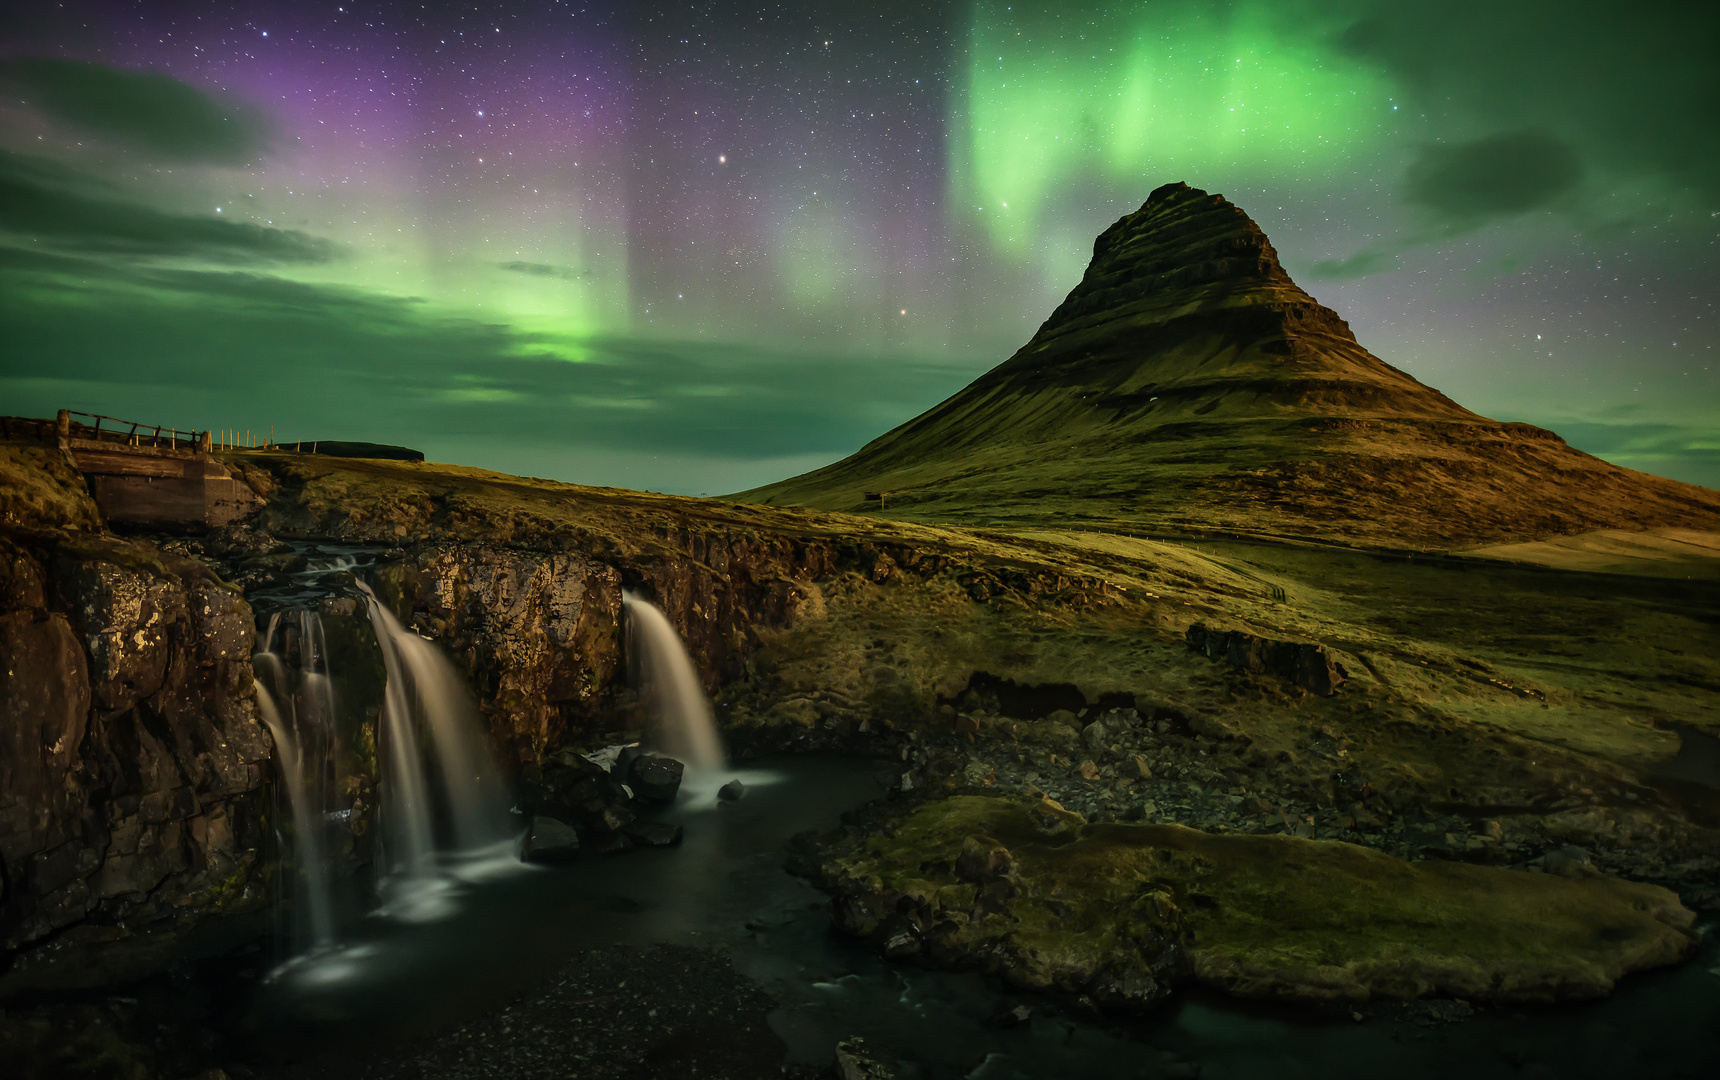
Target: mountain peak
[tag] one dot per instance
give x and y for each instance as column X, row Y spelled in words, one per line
column 1186, row 297
column 1187, row 384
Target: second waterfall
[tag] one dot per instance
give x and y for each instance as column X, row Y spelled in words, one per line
column 442, row 788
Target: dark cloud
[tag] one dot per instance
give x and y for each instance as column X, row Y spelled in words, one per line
column 45, row 201
column 549, row 270
column 1634, row 88
column 315, row 361
column 1492, row 177
column 168, row 119
column 1679, row 451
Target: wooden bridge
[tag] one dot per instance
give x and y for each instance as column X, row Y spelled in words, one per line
column 144, row 476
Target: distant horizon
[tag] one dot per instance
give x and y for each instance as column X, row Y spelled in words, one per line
column 699, row 249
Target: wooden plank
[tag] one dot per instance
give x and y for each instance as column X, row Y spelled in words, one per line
column 116, row 463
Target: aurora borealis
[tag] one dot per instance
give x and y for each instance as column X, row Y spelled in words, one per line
column 697, row 248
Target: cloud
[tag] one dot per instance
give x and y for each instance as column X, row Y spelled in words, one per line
column 1682, row 452
column 1632, row 88
column 1360, row 265
column 532, row 269
column 1492, row 177
column 191, row 347
column 167, row 119
column 46, row 201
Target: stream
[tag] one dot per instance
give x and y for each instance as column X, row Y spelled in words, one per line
column 496, row 928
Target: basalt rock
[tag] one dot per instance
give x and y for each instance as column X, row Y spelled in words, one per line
column 550, row 841
column 580, row 793
column 132, row 748
column 1303, row 663
column 656, row 778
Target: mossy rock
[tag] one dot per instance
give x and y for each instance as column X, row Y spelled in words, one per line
column 1257, row 916
column 42, row 493
column 1007, row 887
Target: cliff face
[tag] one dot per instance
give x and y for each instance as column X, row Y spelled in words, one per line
column 521, row 581
column 131, row 752
column 539, row 632
column 1187, row 384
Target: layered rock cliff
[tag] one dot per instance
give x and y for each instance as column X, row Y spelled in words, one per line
column 1188, row 385
column 132, row 759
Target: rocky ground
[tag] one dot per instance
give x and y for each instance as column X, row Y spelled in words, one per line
column 1118, row 765
column 620, row 1013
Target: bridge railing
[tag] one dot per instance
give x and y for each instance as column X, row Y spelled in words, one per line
column 128, row 432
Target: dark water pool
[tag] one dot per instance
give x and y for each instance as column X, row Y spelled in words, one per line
column 490, row 930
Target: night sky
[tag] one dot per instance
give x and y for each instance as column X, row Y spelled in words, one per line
column 698, row 248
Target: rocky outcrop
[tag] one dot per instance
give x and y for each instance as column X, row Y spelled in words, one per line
column 1119, row 913
column 539, row 631
column 1301, row 662
column 986, row 883
column 131, row 751
column 535, row 631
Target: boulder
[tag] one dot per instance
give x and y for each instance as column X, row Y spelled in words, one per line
column 732, row 791
column 621, row 769
column 656, row 777
column 575, row 790
column 550, row 841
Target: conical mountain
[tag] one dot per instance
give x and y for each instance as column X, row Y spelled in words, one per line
column 1187, row 384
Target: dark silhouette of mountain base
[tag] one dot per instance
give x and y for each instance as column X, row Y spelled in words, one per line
column 1188, row 385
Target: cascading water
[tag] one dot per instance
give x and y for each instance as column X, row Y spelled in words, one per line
column 680, row 722
column 303, row 732
column 439, row 780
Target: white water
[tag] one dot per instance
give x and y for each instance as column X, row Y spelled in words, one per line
column 436, row 767
column 309, row 701
column 680, row 721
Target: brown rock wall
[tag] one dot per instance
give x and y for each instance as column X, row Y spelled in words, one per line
column 540, row 633
column 130, row 746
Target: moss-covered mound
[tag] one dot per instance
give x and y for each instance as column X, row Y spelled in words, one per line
column 41, row 493
column 1031, row 892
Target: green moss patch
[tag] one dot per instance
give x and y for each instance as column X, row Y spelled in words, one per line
column 40, row 492
column 1077, row 907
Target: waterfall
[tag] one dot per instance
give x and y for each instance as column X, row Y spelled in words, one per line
column 680, row 719
column 303, row 735
column 438, row 776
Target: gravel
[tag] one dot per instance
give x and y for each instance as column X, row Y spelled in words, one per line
column 616, row 1012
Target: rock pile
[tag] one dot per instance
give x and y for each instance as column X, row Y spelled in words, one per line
column 592, row 803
